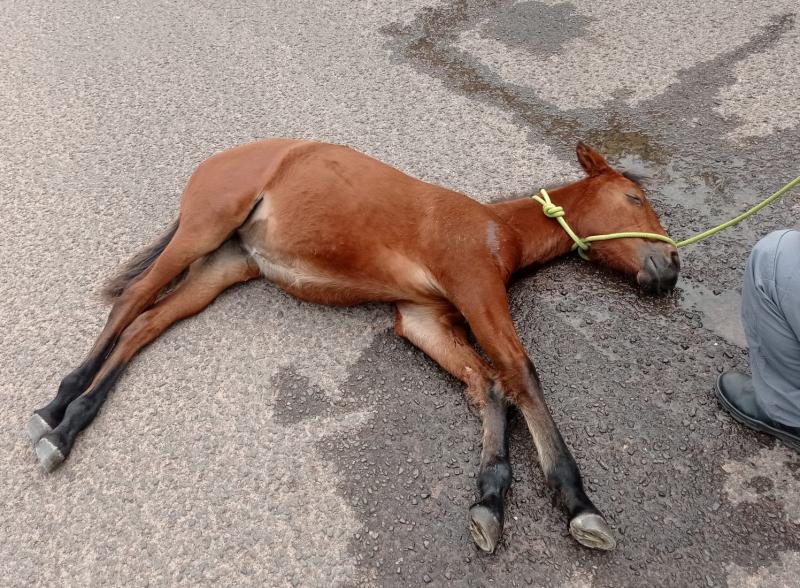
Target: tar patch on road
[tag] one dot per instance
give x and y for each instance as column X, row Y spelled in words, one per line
column 644, row 428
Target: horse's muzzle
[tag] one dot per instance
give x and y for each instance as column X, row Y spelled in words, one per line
column 659, row 272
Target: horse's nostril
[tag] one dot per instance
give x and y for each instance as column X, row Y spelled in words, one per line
column 659, row 273
column 676, row 260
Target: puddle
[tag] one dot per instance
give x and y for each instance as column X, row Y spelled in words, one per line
column 720, row 312
column 618, row 142
column 706, row 190
column 538, row 28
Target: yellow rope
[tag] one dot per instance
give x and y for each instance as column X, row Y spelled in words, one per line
column 582, row 244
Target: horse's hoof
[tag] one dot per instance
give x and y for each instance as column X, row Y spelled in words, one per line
column 37, row 427
column 592, row 531
column 50, row 456
column 485, row 527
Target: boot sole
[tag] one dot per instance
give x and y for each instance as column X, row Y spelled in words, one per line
column 787, row 438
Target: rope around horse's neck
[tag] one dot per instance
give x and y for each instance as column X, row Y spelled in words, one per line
column 582, row 244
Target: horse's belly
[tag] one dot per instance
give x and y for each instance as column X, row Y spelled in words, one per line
column 328, row 261
column 313, row 285
column 400, row 279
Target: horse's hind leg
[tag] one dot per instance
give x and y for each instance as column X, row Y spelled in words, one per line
column 439, row 331
column 201, row 230
column 206, row 279
column 74, row 383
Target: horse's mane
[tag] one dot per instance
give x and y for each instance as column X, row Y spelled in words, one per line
column 636, row 178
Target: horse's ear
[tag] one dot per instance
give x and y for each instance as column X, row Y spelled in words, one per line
column 591, row 160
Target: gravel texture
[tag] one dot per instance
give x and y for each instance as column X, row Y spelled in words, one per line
column 271, row 442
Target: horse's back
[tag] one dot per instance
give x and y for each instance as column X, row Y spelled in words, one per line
column 300, row 174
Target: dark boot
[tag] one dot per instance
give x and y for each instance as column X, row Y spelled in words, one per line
column 736, row 394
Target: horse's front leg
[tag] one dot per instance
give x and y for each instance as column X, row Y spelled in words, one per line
column 485, row 306
column 487, row 515
column 438, row 329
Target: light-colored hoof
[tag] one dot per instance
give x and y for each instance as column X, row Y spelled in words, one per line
column 592, row 531
column 36, row 428
column 485, row 528
column 50, row 456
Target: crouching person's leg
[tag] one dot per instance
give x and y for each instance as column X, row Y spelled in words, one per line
column 770, row 400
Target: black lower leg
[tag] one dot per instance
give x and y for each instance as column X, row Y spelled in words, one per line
column 72, row 386
column 560, row 470
column 494, row 479
column 487, row 515
column 586, row 524
column 56, row 445
column 564, row 480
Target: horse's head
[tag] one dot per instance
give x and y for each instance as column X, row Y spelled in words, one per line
column 613, row 203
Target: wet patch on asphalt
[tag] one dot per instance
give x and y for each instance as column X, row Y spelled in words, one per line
column 783, row 573
column 429, row 45
column 299, row 399
column 720, row 310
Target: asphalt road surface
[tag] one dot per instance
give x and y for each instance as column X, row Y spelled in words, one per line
column 271, row 442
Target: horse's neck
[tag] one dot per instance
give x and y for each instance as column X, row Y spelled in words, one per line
column 541, row 239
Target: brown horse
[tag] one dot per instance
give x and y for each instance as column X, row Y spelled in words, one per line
column 333, row 226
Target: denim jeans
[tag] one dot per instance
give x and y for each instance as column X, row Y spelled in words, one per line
column 771, row 316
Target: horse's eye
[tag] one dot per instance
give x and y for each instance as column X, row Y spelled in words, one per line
column 635, row 199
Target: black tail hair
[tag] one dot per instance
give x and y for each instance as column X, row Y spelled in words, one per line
column 128, row 273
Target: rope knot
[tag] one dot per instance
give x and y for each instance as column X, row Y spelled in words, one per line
column 552, row 210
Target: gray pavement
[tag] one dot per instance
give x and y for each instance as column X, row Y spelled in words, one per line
column 271, row 442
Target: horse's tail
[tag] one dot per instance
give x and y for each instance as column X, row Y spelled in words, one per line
column 128, row 273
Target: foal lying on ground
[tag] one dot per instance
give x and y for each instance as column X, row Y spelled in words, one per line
column 333, row 226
